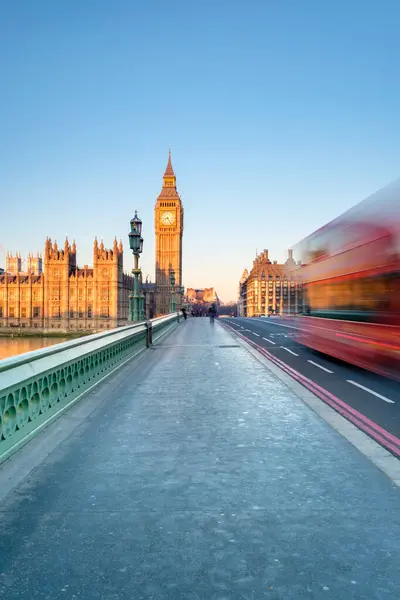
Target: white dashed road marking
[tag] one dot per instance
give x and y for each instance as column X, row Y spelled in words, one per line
column 287, row 350
column 370, row 391
column 270, row 341
column 320, row 366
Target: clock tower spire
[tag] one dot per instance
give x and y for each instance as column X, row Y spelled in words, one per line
column 168, row 225
column 169, row 179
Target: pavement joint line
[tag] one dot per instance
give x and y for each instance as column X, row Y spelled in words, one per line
column 370, row 391
column 388, row 464
column 319, row 366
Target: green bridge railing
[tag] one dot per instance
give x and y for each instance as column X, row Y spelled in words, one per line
column 37, row 387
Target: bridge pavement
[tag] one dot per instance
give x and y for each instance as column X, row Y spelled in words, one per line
column 199, row 475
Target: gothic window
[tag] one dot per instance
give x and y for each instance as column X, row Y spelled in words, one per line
column 1, row 312
column 36, row 312
column 11, row 312
column 23, row 312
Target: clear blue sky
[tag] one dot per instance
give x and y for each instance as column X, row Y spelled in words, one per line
column 280, row 115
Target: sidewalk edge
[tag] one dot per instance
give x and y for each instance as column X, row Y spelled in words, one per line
column 378, row 455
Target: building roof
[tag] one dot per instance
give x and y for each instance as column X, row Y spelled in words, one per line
column 169, row 192
column 169, row 171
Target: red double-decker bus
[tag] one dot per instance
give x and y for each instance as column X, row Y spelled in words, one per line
column 351, row 284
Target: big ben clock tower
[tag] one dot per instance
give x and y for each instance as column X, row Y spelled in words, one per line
column 169, row 231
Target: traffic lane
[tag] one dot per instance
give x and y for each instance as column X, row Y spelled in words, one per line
column 283, row 336
column 267, row 333
column 340, row 379
column 262, row 326
column 276, row 335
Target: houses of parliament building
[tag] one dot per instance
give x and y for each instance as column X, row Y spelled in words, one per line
column 64, row 296
column 52, row 293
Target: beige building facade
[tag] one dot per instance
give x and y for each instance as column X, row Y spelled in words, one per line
column 270, row 288
column 64, row 297
column 168, row 225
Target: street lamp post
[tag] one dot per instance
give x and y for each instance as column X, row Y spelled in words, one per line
column 172, row 280
column 136, row 245
column 142, row 306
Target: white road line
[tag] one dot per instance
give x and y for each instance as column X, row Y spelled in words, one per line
column 287, row 350
column 370, row 391
column 270, row 341
column 247, row 330
column 269, row 322
column 257, row 334
column 320, row 366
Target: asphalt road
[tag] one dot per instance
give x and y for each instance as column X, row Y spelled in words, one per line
column 375, row 397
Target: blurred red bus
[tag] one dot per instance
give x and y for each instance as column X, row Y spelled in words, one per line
column 351, row 285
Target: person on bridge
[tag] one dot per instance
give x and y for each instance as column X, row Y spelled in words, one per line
column 183, row 309
column 212, row 311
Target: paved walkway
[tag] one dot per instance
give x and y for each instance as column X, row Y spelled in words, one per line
column 200, row 476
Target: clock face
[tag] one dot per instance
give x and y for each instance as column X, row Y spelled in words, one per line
column 168, row 218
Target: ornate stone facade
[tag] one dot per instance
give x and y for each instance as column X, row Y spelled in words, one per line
column 242, row 295
column 168, row 224
column 270, row 288
column 205, row 296
column 65, row 297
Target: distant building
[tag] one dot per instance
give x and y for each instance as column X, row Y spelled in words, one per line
column 201, row 297
column 242, row 294
column 199, row 300
column 13, row 264
column 64, row 296
column 34, row 264
column 270, row 288
column 150, row 292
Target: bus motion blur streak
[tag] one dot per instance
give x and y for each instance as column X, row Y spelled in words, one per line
column 350, row 270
